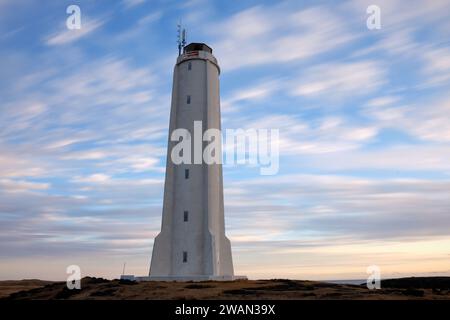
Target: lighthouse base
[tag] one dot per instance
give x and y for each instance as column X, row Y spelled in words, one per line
column 183, row 278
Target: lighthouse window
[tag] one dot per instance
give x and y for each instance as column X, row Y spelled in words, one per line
column 186, row 173
column 186, row 213
column 184, row 256
column 189, row 65
column 188, row 100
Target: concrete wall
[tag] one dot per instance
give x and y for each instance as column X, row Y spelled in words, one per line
column 203, row 235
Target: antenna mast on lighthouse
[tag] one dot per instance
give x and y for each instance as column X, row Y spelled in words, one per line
column 181, row 38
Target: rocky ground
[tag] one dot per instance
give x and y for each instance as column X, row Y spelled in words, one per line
column 11, row 286
column 97, row 288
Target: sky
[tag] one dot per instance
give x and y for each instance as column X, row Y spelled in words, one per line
column 363, row 120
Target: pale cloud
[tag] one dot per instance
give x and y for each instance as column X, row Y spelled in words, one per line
column 340, row 79
column 399, row 158
column 396, row 42
column 399, row 42
column 382, row 101
column 400, row 36
column 255, row 93
column 349, row 260
column 120, row 158
column 103, row 116
column 268, row 35
column 324, row 135
column 305, row 237
column 132, row 3
column 8, row 185
column 109, row 181
column 19, row 164
column 140, row 163
column 150, row 18
column 349, row 202
column 84, row 155
column 11, row 33
column 329, row 220
column 66, row 36
column 63, row 143
column 139, row 29
column 396, row 14
column 437, row 66
column 21, row 115
column 94, row 178
column 105, row 79
column 423, row 120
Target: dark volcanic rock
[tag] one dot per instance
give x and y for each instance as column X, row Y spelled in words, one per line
column 418, row 283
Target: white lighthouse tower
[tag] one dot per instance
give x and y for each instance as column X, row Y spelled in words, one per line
column 192, row 244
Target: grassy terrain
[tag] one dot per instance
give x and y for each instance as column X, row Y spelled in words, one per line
column 97, row 288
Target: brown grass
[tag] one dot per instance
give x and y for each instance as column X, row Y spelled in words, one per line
column 96, row 288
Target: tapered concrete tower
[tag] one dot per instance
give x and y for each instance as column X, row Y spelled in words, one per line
column 192, row 244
